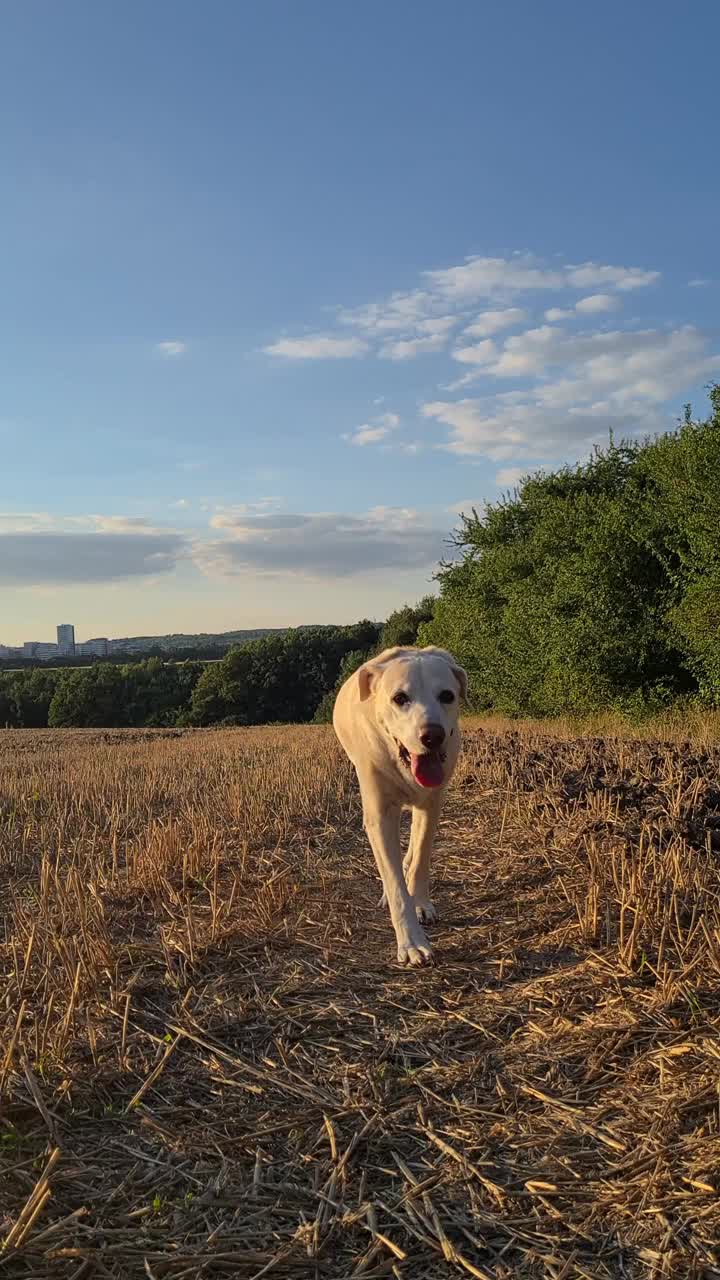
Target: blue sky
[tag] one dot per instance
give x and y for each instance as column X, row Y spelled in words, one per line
column 285, row 286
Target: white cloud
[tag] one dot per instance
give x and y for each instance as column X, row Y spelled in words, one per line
column 323, row 545
column 528, row 353
column 590, row 274
column 405, row 325
column 700, row 282
column 171, row 349
column 399, row 313
column 317, row 347
column 437, row 326
column 602, row 380
column 596, row 303
column 509, row 477
column 490, row 322
column 482, row 353
column 420, row 321
column 375, row 431
column 409, row 348
column 181, row 504
column 367, row 434
column 465, row 381
column 497, row 277
column 504, row 429
column 536, row 351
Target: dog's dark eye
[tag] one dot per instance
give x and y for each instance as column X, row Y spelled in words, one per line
column 447, row 695
column 400, row 699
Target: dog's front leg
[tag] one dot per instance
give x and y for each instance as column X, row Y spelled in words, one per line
column 417, row 863
column 382, row 824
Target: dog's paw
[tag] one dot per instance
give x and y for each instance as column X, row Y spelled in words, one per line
column 414, row 949
column 425, row 910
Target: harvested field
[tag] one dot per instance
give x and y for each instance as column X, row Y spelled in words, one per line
column 210, row 1067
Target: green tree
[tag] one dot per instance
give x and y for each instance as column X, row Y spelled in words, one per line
column 8, row 718
column 595, row 585
column 279, row 678
column 93, row 698
column 31, row 693
column 350, row 664
column 401, row 628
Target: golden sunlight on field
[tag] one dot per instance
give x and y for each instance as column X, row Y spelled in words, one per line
column 210, row 1067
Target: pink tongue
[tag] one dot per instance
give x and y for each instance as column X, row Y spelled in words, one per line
column 427, row 770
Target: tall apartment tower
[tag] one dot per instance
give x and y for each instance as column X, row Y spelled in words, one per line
column 66, row 638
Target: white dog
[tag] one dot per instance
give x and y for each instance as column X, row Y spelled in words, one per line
column 397, row 719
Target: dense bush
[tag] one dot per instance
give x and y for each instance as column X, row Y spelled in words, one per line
column 594, row 586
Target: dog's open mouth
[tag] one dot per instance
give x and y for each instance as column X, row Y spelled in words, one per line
column 427, row 769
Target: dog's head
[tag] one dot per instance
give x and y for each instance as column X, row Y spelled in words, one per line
column 417, row 694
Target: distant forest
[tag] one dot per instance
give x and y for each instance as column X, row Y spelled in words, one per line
column 589, row 588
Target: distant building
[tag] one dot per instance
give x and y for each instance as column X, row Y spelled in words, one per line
column 66, row 639
column 97, row 648
column 39, row 649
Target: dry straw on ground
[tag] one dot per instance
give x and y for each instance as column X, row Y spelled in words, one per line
column 209, row 1066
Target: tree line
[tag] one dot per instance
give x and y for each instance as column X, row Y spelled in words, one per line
column 279, row 678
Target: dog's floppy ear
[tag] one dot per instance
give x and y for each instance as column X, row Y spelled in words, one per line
column 461, row 676
column 367, row 674
column 459, row 672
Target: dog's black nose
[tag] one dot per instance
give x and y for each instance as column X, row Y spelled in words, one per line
column 432, row 737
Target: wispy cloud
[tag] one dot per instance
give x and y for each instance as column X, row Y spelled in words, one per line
column 421, row 321
column 505, row 277
column 596, row 303
column 323, row 545
column 375, row 431
column 540, row 389
column 580, row 386
column 171, row 349
column 490, row 322
column 409, row 348
column 317, row 347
